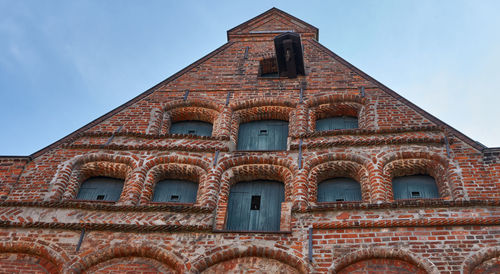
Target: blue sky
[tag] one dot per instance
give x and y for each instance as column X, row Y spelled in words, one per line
column 65, row 63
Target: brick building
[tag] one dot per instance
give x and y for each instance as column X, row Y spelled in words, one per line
column 270, row 154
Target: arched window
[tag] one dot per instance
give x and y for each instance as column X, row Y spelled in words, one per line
column 341, row 122
column 100, row 188
column 176, row 191
column 263, row 135
column 197, row 128
column 414, row 187
column 339, row 190
column 255, row 206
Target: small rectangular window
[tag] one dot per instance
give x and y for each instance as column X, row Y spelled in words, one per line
column 339, row 200
column 415, row 194
column 192, row 131
column 100, row 197
column 174, row 198
column 255, row 203
column 263, row 132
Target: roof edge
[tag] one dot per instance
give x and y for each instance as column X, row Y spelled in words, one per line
column 15, row 157
column 460, row 135
column 130, row 102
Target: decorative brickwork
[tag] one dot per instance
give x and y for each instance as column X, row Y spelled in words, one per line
column 43, row 228
column 226, row 254
column 101, row 256
column 392, row 261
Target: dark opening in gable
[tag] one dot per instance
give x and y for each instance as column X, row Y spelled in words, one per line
column 268, row 68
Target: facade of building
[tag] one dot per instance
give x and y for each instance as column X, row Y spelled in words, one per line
column 270, row 154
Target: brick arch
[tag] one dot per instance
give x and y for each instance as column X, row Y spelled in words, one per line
column 104, row 253
column 411, row 162
column 71, row 173
column 173, row 166
column 250, row 172
column 334, row 169
column 228, row 252
column 261, row 109
column 253, row 167
column 260, row 102
column 321, row 167
column 314, row 160
column 336, row 105
column 172, row 171
column 180, row 110
column 382, row 253
column 335, row 98
column 479, row 257
column 52, row 257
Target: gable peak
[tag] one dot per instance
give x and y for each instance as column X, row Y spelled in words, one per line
column 271, row 23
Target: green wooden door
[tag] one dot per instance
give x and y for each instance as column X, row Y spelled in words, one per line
column 198, row 128
column 176, row 191
column 263, row 135
column 255, row 206
column 331, row 123
column 414, row 187
column 101, row 188
column 339, row 190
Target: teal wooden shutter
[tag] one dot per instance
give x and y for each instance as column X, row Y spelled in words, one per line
column 332, row 123
column 414, row 187
column 263, row 135
column 255, row 206
column 198, row 128
column 100, row 188
column 339, row 190
column 176, row 191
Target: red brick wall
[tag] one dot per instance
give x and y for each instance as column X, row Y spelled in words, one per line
column 24, row 263
column 130, row 265
column 387, row 266
column 458, row 231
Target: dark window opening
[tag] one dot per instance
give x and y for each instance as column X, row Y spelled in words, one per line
column 289, row 55
column 100, row 188
column 175, row 191
column 255, row 203
column 268, row 68
column 414, row 187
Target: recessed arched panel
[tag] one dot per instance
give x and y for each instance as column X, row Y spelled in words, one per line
column 197, row 128
column 339, row 190
column 100, row 188
column 263, row 135
column 175, row 191
column 414, row 187
column 341, row 122
column 255, row 206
